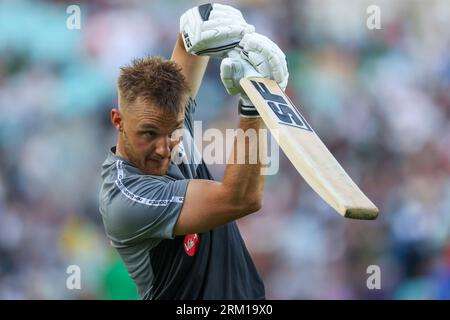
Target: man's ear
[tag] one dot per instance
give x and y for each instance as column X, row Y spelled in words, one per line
column 116, row 119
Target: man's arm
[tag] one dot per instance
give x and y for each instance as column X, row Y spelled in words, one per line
column 209, row 204
column 193, row 67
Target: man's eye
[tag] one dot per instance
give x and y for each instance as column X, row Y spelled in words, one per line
column 150, row 134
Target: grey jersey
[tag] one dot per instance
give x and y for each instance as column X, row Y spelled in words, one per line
column 139, row 213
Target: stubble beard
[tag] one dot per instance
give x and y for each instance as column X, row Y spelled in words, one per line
column 141, row 163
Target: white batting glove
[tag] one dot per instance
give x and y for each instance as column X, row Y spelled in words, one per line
column 266, row 56
column 263, row 59
column 232, row 70
column 213, row 29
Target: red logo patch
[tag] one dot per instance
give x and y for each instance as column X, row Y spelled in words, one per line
column 191, row 242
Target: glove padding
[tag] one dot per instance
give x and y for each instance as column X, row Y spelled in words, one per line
column 266, row 57
column 232, row 70
column 256, row 56
column 213, row 29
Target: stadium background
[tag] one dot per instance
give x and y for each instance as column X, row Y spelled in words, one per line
column 380, row 99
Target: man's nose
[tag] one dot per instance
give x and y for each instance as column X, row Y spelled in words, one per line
column 163, row 147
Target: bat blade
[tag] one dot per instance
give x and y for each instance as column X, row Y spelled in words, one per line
column 306, row 151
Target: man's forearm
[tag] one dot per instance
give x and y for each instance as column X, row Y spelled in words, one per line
column 193, row 67
column 244, row 181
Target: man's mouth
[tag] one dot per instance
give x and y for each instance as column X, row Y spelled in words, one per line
column 158, row 162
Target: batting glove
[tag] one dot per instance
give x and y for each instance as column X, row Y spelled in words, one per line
column 255, row 56
column 266, row 57
column 232, row 70
column 213, row 29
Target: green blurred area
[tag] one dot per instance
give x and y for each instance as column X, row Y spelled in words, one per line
column 117, row 283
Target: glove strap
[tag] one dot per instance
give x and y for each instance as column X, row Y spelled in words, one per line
column 247, row 109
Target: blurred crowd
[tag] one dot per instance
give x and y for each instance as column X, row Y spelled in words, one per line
column 379, row 99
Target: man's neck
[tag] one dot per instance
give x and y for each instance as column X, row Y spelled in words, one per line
column 120, row 152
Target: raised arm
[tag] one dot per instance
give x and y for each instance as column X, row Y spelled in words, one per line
column 193, row 67
column 209, row 204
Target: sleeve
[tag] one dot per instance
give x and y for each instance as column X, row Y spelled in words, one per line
column 188, row 115
column 145, row 208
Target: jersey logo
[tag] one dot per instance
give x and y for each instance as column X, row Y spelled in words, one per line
column 191, row 242
column 285, row 111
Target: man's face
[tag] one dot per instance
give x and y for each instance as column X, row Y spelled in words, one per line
column 148, row 136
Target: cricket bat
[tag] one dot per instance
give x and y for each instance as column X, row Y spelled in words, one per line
column 306, row 151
